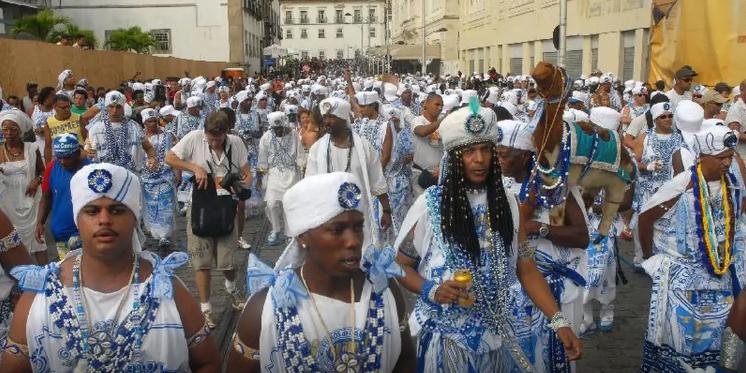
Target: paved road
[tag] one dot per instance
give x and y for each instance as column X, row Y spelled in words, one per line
column 616, row 352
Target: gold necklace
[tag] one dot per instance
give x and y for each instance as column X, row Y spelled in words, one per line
column 352, row 344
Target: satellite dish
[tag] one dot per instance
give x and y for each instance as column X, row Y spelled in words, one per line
column 555, row 37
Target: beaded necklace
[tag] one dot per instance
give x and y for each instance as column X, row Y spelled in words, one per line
column 115, row 146
column 280, row 152
column 329, row 167
column 554, row 194
column 296, row 350
column 708, row 241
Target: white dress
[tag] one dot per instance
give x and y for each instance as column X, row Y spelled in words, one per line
column 279, row 157
column 20, row 208
column 164, row 346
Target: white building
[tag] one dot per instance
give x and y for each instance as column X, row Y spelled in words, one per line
column 332, row 29
column 11, row 10
column 208, row 30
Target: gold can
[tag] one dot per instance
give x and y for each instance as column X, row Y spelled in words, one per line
column 464, row 276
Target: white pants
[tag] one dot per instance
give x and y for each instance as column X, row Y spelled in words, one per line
column 637, row 260
column 274, row 214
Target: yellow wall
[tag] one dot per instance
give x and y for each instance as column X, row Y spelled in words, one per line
column 502, row 23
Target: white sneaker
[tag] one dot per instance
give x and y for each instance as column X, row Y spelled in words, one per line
column 273, row 238
column 243, row 244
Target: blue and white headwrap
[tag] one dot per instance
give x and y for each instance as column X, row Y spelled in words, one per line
column 65, row 145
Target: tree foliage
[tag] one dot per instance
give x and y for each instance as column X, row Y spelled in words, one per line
column 75, row 33
column 40, row 25
column 133, row 39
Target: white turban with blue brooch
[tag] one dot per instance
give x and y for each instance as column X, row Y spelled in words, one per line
column 105, row 180
column 467, row 126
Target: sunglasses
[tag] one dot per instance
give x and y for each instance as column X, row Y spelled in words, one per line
column 640, row 95
column 686, row 80
column 665, row 116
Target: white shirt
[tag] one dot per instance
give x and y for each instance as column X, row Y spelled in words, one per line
column 426, row 155
column 675, row 98
column 194, row 148
column 737, row 113
column 637, row 126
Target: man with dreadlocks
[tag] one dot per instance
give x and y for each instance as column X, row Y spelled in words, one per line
column 455, row 247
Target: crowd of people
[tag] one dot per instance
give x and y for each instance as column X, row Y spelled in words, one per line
column 377, row 186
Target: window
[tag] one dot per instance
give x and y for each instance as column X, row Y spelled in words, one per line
column 372, row 32
column 322, row 16
column 304, row 55
column 340, row 54
column 246, row 43
column 303, row 33
column 322, row 33
column 288, row 17
column 162, row 41
column 371, row 15
column 107, row 37
column 288, row 34
column 516, row 66
column 339, row 32
column 339, row 16
column 304, row 17
column 322, row 55
column 358, row 17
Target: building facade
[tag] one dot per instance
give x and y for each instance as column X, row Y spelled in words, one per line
column 512, row 35
column 332, row 29
column 11, row 10
column 209, row 30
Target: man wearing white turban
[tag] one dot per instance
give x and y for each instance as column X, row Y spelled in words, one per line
column 341, row 149
column 691, row 232
column 66, row 83
column 327, row 290
column 108, row 306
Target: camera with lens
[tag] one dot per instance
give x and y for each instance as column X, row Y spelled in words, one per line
column 232, row 181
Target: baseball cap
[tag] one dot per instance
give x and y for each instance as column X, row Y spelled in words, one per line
column 685, row 72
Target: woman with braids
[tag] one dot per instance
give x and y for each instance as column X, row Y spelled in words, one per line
column 456, row 246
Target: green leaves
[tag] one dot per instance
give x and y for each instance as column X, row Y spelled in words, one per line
column 132, row 39
column 48, row 26
column 40, row 25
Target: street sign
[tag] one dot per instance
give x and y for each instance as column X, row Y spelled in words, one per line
column 269, row 61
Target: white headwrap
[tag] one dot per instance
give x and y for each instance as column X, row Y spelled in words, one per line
column 277, row 119
column 18, row 117
column 333, row 194
column 575, row 115
column 660, row 108
column 64, row 75
column 713, row 140
column 114, row 98
column 148, row 114
column 514, row 134
column 194, row 101
column 689, row 116
column 367, row 97
column 105, row 180
column 605, row 117
column 336, row 107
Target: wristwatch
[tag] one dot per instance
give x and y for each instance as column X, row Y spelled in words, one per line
column 543, row 230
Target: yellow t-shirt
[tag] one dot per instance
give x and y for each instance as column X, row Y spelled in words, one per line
column 70, row 125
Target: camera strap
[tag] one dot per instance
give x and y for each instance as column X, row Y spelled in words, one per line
column 228, row 154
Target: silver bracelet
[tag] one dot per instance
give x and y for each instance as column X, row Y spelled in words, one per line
column 731, row 350
column 431, row 293
column 559, row 321
column 526, row 250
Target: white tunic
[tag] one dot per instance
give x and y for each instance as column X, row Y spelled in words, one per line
column 280, row 158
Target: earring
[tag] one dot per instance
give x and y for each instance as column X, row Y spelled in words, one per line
column 303, row 245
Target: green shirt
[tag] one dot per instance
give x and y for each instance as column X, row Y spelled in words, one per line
column 78, row 109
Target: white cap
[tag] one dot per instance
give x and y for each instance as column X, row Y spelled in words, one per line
column 713, row 140
column 606, row 117
column 265, row 86
column 449, row 102
column 512, row 109
column 137, row 86
column 493, row 95
column 575, row 115
column 467, row 95
column 211, row 84
column 463, row 127
column 337, row 107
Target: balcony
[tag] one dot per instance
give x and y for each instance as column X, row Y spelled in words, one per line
column 304, row 20
column 322, row 19
column 339, row 20
column 357, row 19
column 288, row 21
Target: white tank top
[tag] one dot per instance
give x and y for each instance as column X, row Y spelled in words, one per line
column 164, row 346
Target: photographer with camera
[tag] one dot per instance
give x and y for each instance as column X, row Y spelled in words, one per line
column 219, row 162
